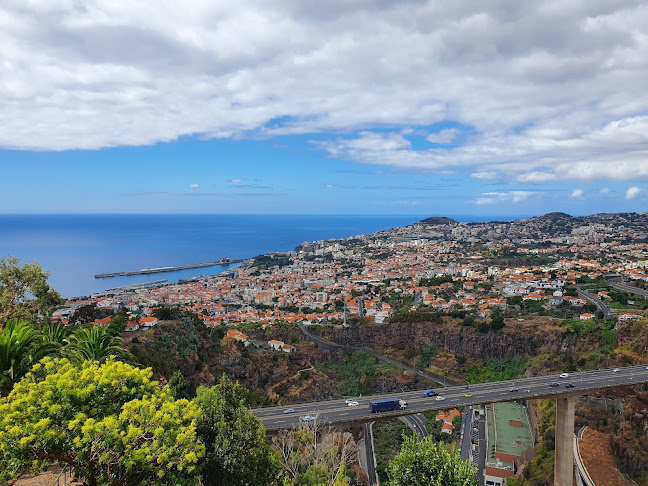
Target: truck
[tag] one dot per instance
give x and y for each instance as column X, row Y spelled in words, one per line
column 430, row 393
column 387, row 404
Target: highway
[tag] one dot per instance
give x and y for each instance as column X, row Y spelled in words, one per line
column 338, row 412
column 626, row 287
column 371, row 456
column 416, row 422
column 600, row 305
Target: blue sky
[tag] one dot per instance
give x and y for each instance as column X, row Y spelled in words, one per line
column 500, row 110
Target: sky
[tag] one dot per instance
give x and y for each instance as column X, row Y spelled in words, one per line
column 501, row 108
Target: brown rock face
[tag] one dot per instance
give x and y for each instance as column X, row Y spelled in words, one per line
column 449, row 336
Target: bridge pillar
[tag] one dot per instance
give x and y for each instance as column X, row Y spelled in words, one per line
column 564, row 465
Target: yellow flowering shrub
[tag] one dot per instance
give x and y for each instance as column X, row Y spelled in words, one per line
column 110, row 422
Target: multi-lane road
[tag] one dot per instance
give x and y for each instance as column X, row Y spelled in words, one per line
column 600, row 305
column 627, row 287
column 338, row 412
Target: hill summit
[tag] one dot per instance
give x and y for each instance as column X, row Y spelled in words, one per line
column 438, row 220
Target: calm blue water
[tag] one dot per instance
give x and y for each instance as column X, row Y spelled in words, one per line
column 73, row 248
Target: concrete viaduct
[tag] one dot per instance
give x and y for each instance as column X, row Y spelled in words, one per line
column 564, row 388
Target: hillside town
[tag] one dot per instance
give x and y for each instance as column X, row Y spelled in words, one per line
column 437, row 264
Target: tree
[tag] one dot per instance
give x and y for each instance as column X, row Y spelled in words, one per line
column 179, row 386
column 424, row 462
column 95, row 344
column 84, row 314
column 236, row 451
column 24, row 292
column 110, row 422
column 17, row 343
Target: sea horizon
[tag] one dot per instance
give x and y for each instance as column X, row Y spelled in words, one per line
column 75, row 247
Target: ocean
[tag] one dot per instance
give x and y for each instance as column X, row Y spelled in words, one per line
column 73, row 248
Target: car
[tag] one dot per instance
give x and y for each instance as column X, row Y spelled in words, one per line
column 308, row 418
column 351, row 403
column 430, row 393
column 564, row 375
column 513, row 389
column 289, row 410
column 467, row 395
column 349, row 400
column 439, row 398
column 554, row 384
column 616, row 370
column 569, row 385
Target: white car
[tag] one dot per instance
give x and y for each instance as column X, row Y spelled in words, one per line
column 349, row 400
column 616, row 370
column 439, row 398
column 564, row 375
column 308, row 418
column 351, row 403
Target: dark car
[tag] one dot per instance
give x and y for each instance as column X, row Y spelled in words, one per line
column 569, row 385
column 513, row 389
column 554, row 384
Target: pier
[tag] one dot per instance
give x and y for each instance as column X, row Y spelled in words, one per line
column 146, row 271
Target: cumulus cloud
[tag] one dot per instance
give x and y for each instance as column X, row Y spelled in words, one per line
column 577, row 193
column 193, row 186
column 535, row 83
column 445, row 136
column 633, row 192
column 605, row 191
column 484, row 175
column 237, row 181
column 508, row 196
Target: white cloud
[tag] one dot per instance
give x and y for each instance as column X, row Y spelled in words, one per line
column 445, row 136
column 536, row 84
column 633, row 192
column 577, row 193
column 193, row 186
column 605, row 191
column 237, row 181
column 508, row 196
column 484, row 175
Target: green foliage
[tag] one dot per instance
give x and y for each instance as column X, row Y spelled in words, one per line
column 539, row 471
column 315, row 475
column 497, row 320
column 359, row 370
column 179, row 386
column 95, row 344
column 84, row 315
column 263, row 262
column 399, row 301
column 17, row 347
column 109, row 422
column 168, row 313
column 117, row 324
column 388, row 436
column 497, row 369
column 427, row 353
column 532, row 306
column 515, row 300
column 435, row 281
column 428, row 463
column 24, row 292
column 236, row 451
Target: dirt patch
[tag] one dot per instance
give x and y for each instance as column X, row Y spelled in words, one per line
column 46, row 478
column 597, row 457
